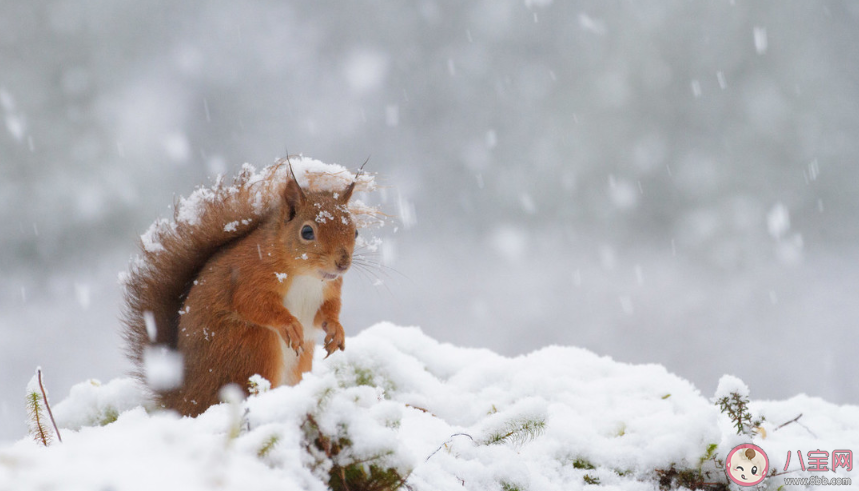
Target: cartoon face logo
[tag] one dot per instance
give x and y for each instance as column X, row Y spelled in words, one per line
column 747, row 464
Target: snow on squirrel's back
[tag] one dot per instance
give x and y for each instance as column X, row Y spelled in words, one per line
column 311, row 174
column 443, row 417
column 254, row 193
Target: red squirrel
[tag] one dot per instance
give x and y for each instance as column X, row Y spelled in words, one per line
column 238, row 287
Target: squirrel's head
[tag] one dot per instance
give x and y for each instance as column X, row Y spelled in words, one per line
column 318, row 229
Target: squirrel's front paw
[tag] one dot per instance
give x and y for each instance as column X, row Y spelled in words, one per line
column 335, row 337
column 293, row 335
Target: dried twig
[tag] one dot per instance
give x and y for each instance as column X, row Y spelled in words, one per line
column 788, row 422
column 48, row 405
column 427, row 411
column 796, row 420
column 448, row 441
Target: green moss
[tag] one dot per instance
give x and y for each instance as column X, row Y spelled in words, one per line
column 356, row 376
column 582, row 464
column 364, row 376
column 509, row 486
column 110, row 415
column 591, row 480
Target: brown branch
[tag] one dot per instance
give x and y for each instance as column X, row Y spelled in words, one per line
column 788, row 422
column 795, row 420
column 774, row 474
column 421, row 409
column 47, row 404
column 343, row 477
column 445, row 443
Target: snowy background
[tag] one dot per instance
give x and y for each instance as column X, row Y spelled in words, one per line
column 669, row 183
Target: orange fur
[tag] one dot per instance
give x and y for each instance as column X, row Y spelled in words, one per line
column 219, row 297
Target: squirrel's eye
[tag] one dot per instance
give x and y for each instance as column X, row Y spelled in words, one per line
column 356, row 234
column 307, row 233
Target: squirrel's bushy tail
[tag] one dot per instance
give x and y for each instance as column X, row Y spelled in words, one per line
column 172, row 253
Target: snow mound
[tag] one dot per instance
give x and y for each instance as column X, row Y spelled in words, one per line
column 92, row 403
column 398, row 403
column 730, row 384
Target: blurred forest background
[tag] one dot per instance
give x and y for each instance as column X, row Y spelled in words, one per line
column 666, row 182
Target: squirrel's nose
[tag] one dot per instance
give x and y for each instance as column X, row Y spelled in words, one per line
column 343, row 262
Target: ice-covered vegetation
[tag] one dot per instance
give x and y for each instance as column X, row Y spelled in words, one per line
column 398, row 408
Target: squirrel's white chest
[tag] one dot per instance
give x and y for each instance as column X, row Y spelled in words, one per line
column 303, row 300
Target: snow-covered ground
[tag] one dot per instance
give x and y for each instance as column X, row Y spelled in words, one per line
column 648, row 180
column 440, row 416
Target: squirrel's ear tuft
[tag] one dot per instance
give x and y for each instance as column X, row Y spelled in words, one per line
column 347, row 193
column 293, row 197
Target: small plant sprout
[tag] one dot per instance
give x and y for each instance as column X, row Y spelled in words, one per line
column 36, row 417
column 37, row 405
column 710, row 454
column 517, row 432
column 257, row 384
column 732, row 397
column 509, row 486
column 267, row 446
column 333, row 456
column 591, row 480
